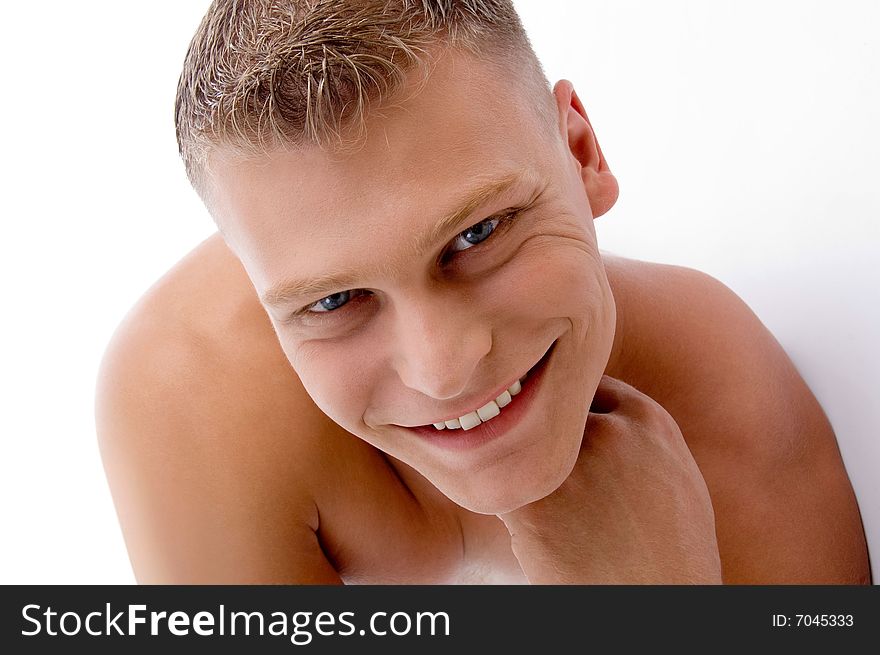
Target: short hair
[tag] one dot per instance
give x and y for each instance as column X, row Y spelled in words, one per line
column 264, row 74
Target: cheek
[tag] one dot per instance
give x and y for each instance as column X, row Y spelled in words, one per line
column 335, row 375
column 556, row 276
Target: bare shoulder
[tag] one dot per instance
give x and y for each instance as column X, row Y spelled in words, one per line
column 195, row 463
column 785, row 509
column 222, row 468
column 694, row 345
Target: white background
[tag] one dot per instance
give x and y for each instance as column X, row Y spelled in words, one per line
column 744, row 136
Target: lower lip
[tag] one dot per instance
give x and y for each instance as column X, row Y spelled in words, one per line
column 459, row 439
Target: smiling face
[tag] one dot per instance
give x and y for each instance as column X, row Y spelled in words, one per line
column 415, row 280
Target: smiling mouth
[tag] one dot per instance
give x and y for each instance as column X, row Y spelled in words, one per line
column 485, row 413
column 492, row 408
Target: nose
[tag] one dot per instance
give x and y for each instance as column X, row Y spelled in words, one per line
column 440, row 340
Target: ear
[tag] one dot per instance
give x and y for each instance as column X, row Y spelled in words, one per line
column 599, row 183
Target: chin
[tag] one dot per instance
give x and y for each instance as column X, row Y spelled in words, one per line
column 500, row 493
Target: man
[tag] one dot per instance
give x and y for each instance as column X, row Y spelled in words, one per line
column 404, row 359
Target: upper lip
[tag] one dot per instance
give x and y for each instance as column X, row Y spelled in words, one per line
column 473, row 404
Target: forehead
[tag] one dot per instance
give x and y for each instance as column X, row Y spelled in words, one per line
column 305, row 211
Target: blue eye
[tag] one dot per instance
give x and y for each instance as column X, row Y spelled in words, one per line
column 331, row 302
column 474, row 234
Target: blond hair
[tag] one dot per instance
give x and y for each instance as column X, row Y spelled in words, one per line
column 262, row 74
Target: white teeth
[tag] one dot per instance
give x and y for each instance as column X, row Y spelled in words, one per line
column 487, row 412
column 469, row 421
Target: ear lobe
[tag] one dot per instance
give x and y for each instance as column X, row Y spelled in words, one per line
column 599, row 183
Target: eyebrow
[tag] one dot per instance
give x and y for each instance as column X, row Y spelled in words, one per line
column 285, row 292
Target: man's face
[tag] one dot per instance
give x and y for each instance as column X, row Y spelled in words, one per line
column 403, row 300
